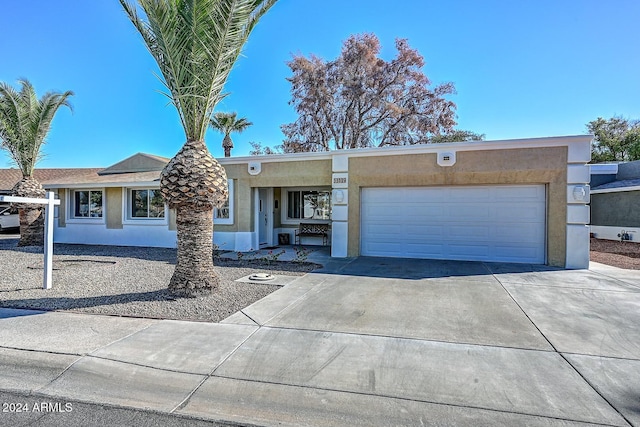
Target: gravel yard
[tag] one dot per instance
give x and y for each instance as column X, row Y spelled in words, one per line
column 618, row 254
column 126, row 281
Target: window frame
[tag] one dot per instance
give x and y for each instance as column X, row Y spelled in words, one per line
column 284, row 216
column 230, row 220
column 71, row 207
column 128, row 219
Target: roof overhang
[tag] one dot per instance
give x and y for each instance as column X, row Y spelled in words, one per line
column 415, row 149
column 616, row 189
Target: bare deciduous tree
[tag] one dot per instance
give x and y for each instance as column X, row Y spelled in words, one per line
column 360, row 100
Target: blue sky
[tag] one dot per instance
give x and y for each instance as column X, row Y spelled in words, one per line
column 521, row 68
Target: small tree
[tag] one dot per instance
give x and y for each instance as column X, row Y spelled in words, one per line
column 227, row 123
column 25, row 122
column 361, row 100
column 615, row 139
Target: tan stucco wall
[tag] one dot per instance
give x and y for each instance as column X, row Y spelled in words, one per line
column 279, row 174
column 114, row 207
column 277, row 211
column 516, row 166
column 62, row 208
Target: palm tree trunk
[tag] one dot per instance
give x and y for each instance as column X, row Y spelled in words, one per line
column 31, row 216
column 194, row 274
column 31, row 226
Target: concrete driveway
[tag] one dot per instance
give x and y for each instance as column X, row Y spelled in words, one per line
column 370, row 341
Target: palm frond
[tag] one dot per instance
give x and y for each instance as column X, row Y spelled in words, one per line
column 228, row 122
column 195, row 43
column 25, row 122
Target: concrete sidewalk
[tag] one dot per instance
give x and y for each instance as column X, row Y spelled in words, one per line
column 371, row 341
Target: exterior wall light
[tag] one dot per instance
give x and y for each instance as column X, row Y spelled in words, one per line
column 254, row 168
column 446, row 158
column 579, row 193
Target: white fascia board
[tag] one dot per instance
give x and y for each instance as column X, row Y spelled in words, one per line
column 616, row 190
column 506, row 144
column 147, row 184
column 604, row 169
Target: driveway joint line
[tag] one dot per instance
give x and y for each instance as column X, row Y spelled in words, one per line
column 175, row 371
column 578, row 288
column 599, row 356
column 250, row 318
column 563, row 356
column 294, row 301
column 61, row 353
column 186, row 400
column 120, row 339
column 365, row 334
column 617, row 278
column 406, row 399
column 596, row 390
column 61, row 373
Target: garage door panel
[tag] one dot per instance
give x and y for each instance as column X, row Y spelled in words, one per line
column 466, row 232
column 517, row 252
column 515, row 232
column 422, row 250
column 466, row 194
column 421, row 210
column 393, row 249
column 466, row 250
column 418, row 231
column 463, row 210
column 520, row 214
column 518, row 193
column 490, row 223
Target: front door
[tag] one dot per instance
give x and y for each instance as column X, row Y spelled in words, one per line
column 265, row 224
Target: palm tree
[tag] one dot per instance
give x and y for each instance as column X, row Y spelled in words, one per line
column 227, row 123
column 195, row 43
column 24, row 124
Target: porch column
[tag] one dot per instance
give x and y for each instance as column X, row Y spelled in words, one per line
column 340, row 206
column 578, row 214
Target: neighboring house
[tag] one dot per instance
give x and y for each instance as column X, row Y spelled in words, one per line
column 615, row 201
column 513, row 201
column 10, row 177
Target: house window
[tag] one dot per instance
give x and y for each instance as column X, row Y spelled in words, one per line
column 146, row 203
column 224, row 214
column 87, row 204
column 309, row 204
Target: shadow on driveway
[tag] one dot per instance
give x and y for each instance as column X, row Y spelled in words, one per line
column 417, row 269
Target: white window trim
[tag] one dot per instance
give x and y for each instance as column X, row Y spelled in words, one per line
column 226, row 221
column 284, row 203
column 128, row 220
column 70, row 204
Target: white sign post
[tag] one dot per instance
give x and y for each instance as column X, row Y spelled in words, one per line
column 49, row 203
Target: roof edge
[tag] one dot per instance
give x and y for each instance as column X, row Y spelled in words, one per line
column 414, row 149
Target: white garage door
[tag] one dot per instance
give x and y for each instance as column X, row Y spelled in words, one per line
column 483, row 223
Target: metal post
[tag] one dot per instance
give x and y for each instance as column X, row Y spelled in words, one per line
column 48, row 241
column 49, row 203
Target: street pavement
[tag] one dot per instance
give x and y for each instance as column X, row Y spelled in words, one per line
column 366, row 341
